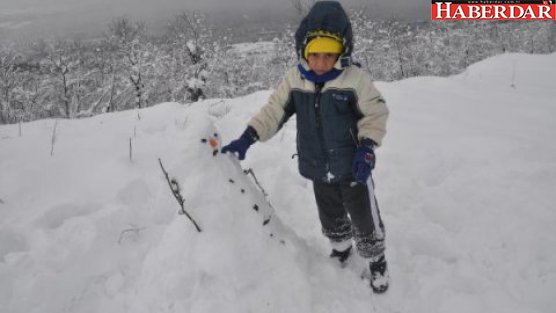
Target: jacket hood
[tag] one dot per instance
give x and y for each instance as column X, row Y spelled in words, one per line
column 327, row 16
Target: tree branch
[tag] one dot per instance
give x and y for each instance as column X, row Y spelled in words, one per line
column 175, row 188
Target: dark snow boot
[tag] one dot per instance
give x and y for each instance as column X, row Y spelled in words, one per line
column 380, row 278
column 341, row 256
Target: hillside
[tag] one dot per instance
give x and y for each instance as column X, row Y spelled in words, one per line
column 465, row 181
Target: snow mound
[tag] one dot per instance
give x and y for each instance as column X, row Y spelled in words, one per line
column 464, row 180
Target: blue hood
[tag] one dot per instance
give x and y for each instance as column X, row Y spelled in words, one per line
column 328, row 16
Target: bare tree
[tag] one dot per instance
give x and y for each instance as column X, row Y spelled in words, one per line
column 60, row 67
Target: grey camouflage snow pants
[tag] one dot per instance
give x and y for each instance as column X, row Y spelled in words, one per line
column 349, row 210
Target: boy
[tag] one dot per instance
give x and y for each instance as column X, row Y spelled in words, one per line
column 341, row 118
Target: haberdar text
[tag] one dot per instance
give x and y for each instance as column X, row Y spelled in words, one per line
column 463, row 11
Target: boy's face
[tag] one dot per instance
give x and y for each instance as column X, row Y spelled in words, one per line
column 321, row 63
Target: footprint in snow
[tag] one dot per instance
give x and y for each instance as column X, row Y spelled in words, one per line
column 57, row 215
column 10, row 242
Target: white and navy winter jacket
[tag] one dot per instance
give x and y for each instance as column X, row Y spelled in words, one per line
column 331, row 119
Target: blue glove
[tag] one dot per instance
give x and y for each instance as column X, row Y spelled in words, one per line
column 364, row 160
column 240, row 146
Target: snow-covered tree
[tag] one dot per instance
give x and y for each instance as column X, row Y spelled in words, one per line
column 191, row 39
column 132, row 48
column 61, row 66
column 9, row 80
column 127, row 68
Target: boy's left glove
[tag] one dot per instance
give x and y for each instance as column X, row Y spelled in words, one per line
column 364, row 161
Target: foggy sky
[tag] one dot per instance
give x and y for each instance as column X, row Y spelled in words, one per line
column 59, row 17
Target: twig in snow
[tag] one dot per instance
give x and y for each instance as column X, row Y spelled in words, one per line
column 134, row 230
column 235, row 162
column 252, row 173
column 175, row 188
column 513, row 75
column 53, row 139
column 130, row 150
column 265, row 195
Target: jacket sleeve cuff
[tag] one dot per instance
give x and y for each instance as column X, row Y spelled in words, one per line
column 250, row 134
column 367, row 142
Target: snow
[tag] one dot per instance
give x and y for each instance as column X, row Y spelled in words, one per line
column 195, row 83
column 464, row 179
column 192, row 47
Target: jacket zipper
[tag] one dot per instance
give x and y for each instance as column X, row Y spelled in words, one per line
column 318, row 116
column 353, row 137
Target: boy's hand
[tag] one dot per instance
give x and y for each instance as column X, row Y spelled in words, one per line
column 239, row 146
column 364, row 161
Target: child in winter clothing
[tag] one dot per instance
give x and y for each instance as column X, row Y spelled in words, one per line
column 341, row 118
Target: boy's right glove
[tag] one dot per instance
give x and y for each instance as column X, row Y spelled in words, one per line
column 364, row 160
column 239, row 146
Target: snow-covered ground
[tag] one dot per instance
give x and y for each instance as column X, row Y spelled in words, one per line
column 465, row 181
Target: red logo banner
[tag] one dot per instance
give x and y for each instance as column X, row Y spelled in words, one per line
column 541, row 10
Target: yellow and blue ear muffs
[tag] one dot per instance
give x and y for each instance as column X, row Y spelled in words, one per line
column 326, row 41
